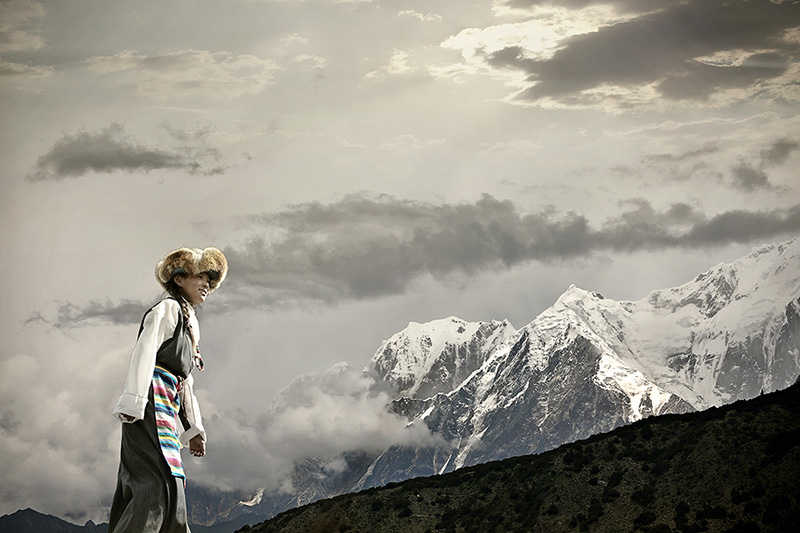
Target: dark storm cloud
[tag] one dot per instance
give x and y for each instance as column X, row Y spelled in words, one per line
column 364, row 248
column 662, row 48
column 111, row 150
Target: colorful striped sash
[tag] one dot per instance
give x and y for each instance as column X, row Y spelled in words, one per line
column 167, row 404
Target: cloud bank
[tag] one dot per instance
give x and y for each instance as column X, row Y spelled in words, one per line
column 363, row 247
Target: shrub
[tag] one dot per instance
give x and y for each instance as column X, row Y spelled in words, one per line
column 645, row 518
column 644, row 496
column 610, row 494
column 595, row 510
column 616, row 478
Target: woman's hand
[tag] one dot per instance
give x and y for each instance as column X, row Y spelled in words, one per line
column 197, row 446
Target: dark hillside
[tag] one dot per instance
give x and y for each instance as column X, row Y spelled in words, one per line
column 734, row 468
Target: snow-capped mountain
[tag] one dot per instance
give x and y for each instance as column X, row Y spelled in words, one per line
column 586, row 365
column 426, row 359
column 589, row 364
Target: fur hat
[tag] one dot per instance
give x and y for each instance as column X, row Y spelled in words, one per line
column 193, row 261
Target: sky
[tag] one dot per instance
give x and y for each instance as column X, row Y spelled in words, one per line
column 363, row 164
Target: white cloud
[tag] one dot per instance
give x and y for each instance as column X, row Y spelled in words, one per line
column 58, row 445
column 540, row 37
column 313, row 60
column 424, row 17
column 398, row 65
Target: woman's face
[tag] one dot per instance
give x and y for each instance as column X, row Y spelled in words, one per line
column 193, row 287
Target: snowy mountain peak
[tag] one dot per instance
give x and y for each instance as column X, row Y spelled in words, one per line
column 425, row 359
column 588, row 364
column 713, row 339
column 764, row 271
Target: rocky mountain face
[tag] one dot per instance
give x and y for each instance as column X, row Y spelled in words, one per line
column 659, row 474
column 589, row 364
column 586, row 365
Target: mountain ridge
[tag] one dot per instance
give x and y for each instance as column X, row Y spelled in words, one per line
column 676, row 350
column 585, row 365
column 696, row 472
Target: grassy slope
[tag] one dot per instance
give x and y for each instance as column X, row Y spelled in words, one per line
column 735, row 468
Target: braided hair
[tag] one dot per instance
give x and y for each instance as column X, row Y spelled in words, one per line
column 175, row 291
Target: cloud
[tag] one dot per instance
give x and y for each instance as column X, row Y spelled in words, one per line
column 124, row 312
column 683, row 51
column 398, row 64
column 423, row 17
column 744, row 226
column 189, row 73
column 689, row 155
column 23, row 73
column 748, row 178
column 749, row 174
column 111, row 150
column 56, row 452
column 778, row 152
column 752, row 176
column 322, row 416
column 363, row 247
column 18, row 33
column 16, row 30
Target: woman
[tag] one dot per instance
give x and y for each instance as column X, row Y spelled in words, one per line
column 158, row 407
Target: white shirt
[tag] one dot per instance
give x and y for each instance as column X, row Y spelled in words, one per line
column 159, row 325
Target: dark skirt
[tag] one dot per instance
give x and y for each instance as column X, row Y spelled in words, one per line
column 148, row 498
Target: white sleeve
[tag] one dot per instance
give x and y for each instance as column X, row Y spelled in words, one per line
column 192, row 409
column 159, row 325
